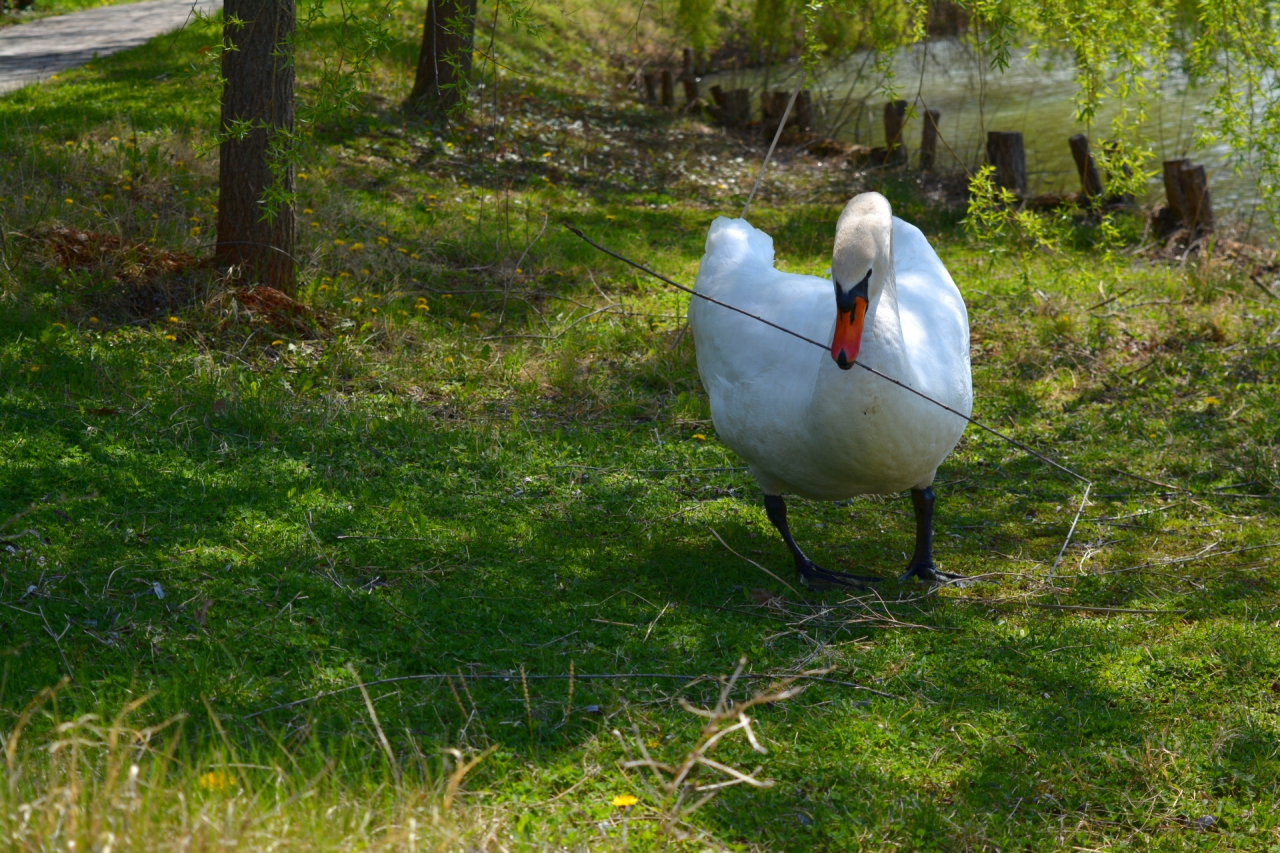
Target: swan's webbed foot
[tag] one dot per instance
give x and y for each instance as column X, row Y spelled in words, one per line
column 810, row 574
column 815, row 578
column 929, row 573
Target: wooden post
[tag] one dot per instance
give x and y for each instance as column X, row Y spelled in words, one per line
column 895, row 115
column 1195, row 189
column 668, row 92
column 929, row 140
column 1005, row 152
column 1089, row 180
column 1173, row 188
column 688, row 64
column 717, row 95
column 650, row 86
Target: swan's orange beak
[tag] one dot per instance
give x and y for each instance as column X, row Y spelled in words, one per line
column 848, row 337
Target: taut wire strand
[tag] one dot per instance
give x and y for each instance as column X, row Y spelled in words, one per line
column 822, row 346
column 776, row 136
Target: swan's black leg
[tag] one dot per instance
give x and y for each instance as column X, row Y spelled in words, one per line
column 811, row 575
column 922, row 560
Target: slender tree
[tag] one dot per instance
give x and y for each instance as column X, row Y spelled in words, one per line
column 255, row 177
column 448, row 36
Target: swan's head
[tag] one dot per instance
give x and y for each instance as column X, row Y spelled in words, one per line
column 861, row 263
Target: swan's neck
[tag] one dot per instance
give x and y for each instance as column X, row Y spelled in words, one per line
column 883, row 346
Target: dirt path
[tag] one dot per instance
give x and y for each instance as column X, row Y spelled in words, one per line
column 30, row 53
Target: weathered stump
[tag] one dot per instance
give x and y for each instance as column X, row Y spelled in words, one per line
column 929, row 140
column 1173, row 187
column 1005, row 152
column 1195, row 191
column 1090, row 182
column 895, row 119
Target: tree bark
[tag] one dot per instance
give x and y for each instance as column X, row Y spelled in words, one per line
column 257, row 70
column 448, row 38
column 1173, row 188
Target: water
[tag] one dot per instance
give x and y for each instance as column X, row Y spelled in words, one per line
column 1034, row 97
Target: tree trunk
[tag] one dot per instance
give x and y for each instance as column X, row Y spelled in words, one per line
column 257, row 93
column 448, row 37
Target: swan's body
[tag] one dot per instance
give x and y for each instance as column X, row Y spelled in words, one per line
column 804, row 425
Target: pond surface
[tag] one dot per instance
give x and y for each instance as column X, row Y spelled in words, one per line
column 1035, row 97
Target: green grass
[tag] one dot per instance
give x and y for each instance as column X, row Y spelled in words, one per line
column 507, row 481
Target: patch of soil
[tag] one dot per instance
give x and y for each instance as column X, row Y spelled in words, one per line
column 128, row 280
column 278, row 310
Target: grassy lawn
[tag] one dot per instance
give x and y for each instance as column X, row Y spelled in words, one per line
column 484, row 453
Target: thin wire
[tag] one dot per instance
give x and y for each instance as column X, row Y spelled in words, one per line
column 777, row 135
column 904, row 386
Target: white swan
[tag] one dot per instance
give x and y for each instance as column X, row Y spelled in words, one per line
column 805, row 423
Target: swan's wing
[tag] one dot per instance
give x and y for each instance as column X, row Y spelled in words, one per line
column 738, row 270
column 935, row 323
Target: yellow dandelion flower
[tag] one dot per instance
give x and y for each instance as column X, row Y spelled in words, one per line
column 69, row 200
column 699, row 436
column 195, row 231
column 364, row 272
column 607, row 216
column 70, row 143
column 174, row 320
column 415, row 257
column 315, row 224
column 35, row 368
column 476, row 315
column 93, row 319
column 302, row 176
column 106, row 196
column 339, row 242
column 128, row 188
column 215, row 780
column 356, row 247
column 546, row 153
column 446, row 296
column 356, row 300
column 402, row 250
column 422, row 306
column 170, row 337
column 382, row 241
column 374, row 310
column 1212, row 401
column 194, row 219
column 306, row 211
column 518, row 270
column 344, row 275
column 277, row 342
column 624, row 801
column 114, row 139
